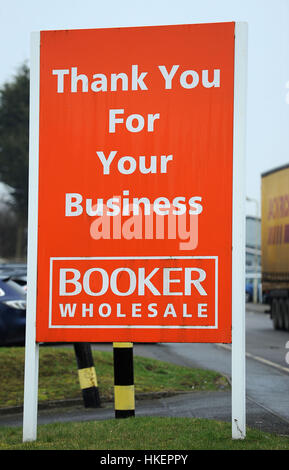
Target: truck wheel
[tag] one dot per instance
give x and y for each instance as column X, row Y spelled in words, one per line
column 286, row 316
column 282, row 314
column 276, row 314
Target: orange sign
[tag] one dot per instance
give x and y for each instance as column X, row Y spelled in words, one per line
column 135, row 184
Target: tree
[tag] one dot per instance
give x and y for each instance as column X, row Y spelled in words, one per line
column 14, row 145
column 8, row 233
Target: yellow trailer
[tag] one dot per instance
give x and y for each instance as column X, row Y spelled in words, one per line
column 275, row 244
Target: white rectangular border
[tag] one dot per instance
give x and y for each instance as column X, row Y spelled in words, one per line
column 131, row 327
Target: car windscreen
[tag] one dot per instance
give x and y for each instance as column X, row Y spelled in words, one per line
column 11, row 289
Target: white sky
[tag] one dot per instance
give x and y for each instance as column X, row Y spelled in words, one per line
column 268, row 66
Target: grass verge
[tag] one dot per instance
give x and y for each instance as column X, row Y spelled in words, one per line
column 141, row 434
column 58, row 376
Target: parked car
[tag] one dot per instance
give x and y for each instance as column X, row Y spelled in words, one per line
column 12, row 312
column 16, row 272
column 21, row 280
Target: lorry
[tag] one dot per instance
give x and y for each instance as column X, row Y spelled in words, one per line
column 275, row 244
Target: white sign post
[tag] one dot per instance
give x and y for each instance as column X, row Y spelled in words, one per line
column 238, row 255
column 31, row 347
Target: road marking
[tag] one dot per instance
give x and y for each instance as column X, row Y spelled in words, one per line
column 257, row 358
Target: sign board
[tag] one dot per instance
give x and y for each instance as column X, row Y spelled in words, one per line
column 136, row 204
column 135, row 184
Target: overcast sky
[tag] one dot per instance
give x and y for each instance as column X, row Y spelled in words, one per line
column 268, row 61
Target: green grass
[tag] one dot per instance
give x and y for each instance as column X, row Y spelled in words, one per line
column 141, row 434
column 58, row 376
column 58, row 379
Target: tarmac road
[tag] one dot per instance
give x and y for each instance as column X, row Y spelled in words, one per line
column 267, row 382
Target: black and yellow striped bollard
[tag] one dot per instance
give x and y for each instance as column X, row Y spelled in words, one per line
column 124, row 399
column 87, row 375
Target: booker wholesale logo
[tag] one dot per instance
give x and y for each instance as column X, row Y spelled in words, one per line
column 106, row 293
column 135, row 184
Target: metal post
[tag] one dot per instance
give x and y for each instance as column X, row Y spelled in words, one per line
column 124, row 399
column 238, row 253
column 31, row 347
column 87, row 375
